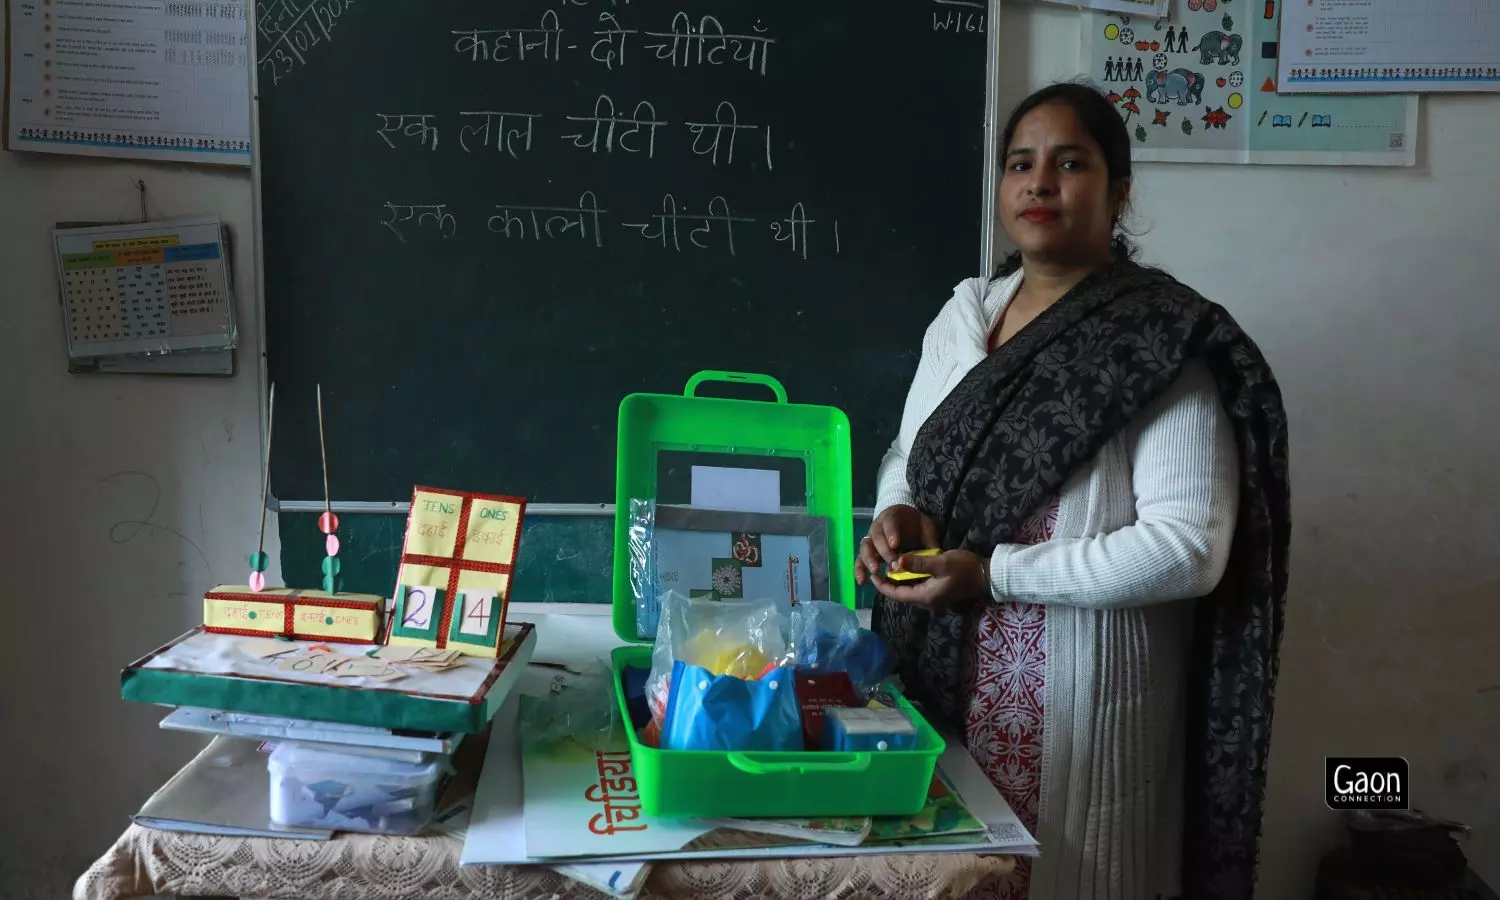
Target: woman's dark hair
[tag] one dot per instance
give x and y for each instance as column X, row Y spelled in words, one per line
column 1103, row 123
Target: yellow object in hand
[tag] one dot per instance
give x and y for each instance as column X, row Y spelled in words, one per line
column 898, row 575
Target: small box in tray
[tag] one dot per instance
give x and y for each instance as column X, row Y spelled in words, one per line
column 713, row 784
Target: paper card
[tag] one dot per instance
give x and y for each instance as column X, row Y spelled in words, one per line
column 319, row 662
column 419, row 657
column 476, row 609
column 241, row 615
column 265, row 649
column 456, row 564
column 491, row 535
column 368, row 668
column 432, row 527
column 736, row 490
column 313, row 663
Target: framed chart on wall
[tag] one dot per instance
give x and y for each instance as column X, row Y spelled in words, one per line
column 1200, row 86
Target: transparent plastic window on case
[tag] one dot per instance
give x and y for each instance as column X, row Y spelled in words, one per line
column 713, row 554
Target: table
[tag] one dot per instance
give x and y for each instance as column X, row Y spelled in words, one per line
column 144, row 862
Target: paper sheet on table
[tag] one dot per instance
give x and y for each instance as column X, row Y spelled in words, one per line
column 1003, row 835
column 273, row 728
column 222, row 654
column 736, row 490
column 496, row 833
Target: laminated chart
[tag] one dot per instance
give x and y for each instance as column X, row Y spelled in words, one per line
column 148, row 288
column 165, row 80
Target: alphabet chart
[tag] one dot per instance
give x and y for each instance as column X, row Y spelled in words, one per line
column 456, row 563
column 153, row 287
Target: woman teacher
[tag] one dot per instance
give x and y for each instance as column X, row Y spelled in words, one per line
column 1101, row 455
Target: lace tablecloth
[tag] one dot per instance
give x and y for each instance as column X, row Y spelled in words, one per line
column 145, row 862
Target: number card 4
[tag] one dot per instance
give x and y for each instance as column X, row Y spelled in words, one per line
column 456, row 565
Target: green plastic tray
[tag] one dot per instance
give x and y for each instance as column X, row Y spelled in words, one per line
column 703, row 784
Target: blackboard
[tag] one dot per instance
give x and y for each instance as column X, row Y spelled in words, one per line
column 779, row 186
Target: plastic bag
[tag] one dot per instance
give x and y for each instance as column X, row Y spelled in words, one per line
column 645, row 583
column 722, row 712
column 741, row 638
column 583, row 711
column 827, row 638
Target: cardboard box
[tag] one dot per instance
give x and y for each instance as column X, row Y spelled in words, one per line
column 294, row 613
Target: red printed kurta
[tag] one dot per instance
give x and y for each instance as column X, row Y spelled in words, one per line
column 1004, row 727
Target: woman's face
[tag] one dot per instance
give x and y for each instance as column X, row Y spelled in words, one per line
column 1056, row 200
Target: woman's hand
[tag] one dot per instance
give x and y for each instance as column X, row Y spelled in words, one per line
column 896, row 529
column 956, row 577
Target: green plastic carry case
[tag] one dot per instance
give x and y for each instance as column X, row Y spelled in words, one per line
column 703, row 784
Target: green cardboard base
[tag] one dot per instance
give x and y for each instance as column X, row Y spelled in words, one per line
column 328, row 703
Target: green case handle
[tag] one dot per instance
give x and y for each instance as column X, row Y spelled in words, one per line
column 827, row 762
column 735, row 378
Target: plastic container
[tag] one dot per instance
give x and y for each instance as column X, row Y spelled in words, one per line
column 704, row 784
column 312, row 787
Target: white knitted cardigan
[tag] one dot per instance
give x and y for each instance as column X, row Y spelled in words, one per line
column 1142, row 529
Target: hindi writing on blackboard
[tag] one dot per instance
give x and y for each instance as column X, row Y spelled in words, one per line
column 713, row 133
column 600, row 196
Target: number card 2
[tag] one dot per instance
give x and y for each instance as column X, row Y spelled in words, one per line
column 456, row 564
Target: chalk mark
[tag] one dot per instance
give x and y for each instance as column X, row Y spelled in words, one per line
column 136, row 526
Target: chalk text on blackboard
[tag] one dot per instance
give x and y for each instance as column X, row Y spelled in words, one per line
column 410, row 125
column 549, row 221
column 958, row 16
column 676, row 227
column 610, row 46
column 290, row 30
column 494, row 122
column 707, row 43
column 604, row 117
column 709, row 138
column 506, row 44
column 663, row 226
column 794, row 229
column 423, row 215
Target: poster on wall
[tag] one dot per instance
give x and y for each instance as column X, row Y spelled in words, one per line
column 1200, row 86
column 124, row 78
column 1387, row 46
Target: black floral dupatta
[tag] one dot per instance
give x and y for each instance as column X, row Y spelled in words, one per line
column 1014, row 429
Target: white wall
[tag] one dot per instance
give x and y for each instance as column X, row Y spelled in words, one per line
column 84, row 461
column 1375, row 311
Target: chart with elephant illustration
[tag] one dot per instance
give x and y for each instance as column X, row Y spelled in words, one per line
column 1200, row 86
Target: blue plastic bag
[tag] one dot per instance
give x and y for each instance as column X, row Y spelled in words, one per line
column 721, row 712
column 827, row 638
